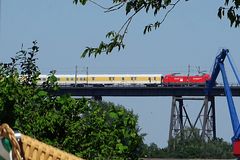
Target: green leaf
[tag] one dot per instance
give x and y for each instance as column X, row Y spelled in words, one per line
column 237, row 22
column 110, row 34
column 231, row 16
column 113, row 115
column 145, row 29
column 167, row 2
column 237, row 3
column 220, row 12
column 42, row 93
column 85, row 53
column 83, row 2
column 121, row 148
column 128, row 7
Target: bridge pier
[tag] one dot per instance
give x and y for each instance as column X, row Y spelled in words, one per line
column 183, row 127
column 97, row 98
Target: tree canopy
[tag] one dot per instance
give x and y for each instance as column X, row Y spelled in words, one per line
column 86, row 128
column 134, row 7
column 191, row 146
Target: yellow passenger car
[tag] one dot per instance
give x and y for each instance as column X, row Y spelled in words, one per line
column 107, row 79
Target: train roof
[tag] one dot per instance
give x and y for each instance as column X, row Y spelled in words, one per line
column 104, row 75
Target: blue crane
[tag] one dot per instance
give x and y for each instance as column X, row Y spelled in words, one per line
column 219, row 66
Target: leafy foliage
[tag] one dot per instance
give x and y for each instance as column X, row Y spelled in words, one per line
column 198, row 148
column 191, row 147
column 89, row 129
column 116, row 40
column 17, row 86
column 133, row 7
column 232, row 12
column 153, row 151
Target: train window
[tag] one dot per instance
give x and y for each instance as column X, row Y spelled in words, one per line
column 133, row 78
column 93, row 78
column 76, row 79
column 111, row 78
column 154, row 78
column 67, row 79
column 122, row 78
column 149, row 78
column 71, row 79
column 58, row 79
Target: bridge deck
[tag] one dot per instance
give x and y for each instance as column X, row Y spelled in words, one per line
column 144, row 91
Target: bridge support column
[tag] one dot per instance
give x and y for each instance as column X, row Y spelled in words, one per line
column 97, row 98
column 209, row 119
column 183, row 127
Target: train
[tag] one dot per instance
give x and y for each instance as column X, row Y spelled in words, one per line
column 149, row 80
column 196, row 80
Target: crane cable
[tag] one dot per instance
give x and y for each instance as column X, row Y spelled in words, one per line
column 7, row 132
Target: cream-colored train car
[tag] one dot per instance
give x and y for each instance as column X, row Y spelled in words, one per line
column 107, row 79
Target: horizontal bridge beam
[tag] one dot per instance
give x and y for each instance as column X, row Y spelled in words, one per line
column 143, row 91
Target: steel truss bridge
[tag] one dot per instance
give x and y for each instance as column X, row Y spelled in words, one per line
column 180, row 120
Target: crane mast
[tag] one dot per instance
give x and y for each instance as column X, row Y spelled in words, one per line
column 219, row 66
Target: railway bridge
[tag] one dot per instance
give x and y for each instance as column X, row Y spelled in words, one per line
column 179, row 117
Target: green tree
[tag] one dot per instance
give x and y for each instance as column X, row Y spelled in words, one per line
column 156, row 7
column 153, row 151
column 89, row 129
column 194, row 146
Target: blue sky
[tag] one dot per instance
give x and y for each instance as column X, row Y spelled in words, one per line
column 191, row 35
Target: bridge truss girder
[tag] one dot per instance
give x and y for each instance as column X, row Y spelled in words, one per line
column 183, row 126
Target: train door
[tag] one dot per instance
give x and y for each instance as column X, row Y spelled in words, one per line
column 149, row 80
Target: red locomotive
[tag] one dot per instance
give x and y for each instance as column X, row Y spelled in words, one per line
column 185, row 80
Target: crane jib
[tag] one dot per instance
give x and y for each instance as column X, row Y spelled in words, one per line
column 219, row 66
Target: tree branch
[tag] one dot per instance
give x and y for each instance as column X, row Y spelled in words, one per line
column 173, row 6
column 109, row 9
